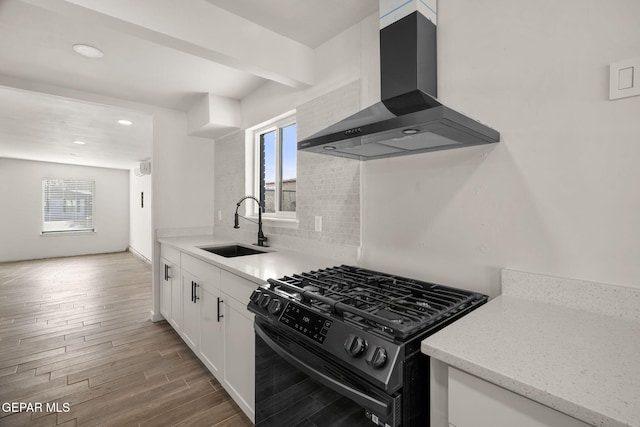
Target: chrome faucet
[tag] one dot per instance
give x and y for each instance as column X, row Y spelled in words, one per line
column 261, row 237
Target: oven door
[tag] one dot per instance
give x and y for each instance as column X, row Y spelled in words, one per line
column 296, row 385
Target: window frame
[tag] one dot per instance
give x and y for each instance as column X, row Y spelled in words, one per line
column 53, row 232
column 277, row 126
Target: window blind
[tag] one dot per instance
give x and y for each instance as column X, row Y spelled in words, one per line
column 67, row 205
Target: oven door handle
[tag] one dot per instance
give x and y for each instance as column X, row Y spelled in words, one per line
column 357, row 396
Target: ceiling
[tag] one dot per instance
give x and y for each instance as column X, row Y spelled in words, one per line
column 311, row 22
column 36, row 126
column 168, row 58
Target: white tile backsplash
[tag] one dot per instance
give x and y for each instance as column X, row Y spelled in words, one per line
column 325, row 110
column 327, row 186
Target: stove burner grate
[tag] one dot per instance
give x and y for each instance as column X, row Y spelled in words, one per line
column 389, row 303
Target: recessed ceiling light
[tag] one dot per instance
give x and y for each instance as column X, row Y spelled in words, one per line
column 79, row 142
column 88, row 51
column 329, row 147
column 125, row 122
column 410, row 131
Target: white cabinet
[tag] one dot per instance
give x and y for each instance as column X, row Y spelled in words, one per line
column 211, row 331
column 198, row 276
column 176, row 300
column 474, row 402
column 190, row 310
column 239, row 342
column 209, row 311
column 166, row 271
column 170, row 287
column 239, row 351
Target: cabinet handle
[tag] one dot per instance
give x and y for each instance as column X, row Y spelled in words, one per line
column 195, row 292
column 219, row 315
column 192, row 290
column 166, row 272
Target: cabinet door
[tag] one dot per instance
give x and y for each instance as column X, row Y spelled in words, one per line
column 474, row 402
column 239, row 354
column 176, row 299
column 166, row 270
column 191, row 310
column 211, row 315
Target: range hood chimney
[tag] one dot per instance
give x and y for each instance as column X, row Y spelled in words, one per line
column 410, row 119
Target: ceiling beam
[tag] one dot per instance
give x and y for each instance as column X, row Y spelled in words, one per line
column 199, row 28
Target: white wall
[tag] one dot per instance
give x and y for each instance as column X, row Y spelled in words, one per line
column 559, row 195
column 183, row 191
column 182, row 172
column 21, row 213
column 140, row 229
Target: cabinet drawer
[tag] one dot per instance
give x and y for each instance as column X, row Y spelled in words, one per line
column 208, row 275
column 171, row 254
column 237, row 287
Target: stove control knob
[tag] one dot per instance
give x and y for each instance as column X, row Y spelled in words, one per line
column 355, row 346
column 264, row 300
column 255, row 296
column 275, row 306
column 377, row 357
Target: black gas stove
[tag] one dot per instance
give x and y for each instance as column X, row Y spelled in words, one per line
column 361, row 329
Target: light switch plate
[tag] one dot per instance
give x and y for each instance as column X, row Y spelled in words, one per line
column 624, row 79
column 318, row 223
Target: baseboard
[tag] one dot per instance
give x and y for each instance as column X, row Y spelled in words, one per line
column 139, row 255
column 155, row 317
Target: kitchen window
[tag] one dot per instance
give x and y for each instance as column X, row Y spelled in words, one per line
column 275, row 165
column 67, row 205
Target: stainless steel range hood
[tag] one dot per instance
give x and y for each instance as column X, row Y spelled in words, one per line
column 410, row 119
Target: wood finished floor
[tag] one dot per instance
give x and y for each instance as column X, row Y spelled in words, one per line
column 76, row 331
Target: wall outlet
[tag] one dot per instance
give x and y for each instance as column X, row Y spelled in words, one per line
column 318, row 223
column 219, row 215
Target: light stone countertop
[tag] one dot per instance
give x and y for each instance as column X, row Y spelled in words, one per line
column 580, row 362
column 277, row 263
column 575, row 360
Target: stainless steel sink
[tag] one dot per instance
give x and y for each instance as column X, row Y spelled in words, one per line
column 231, row 251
